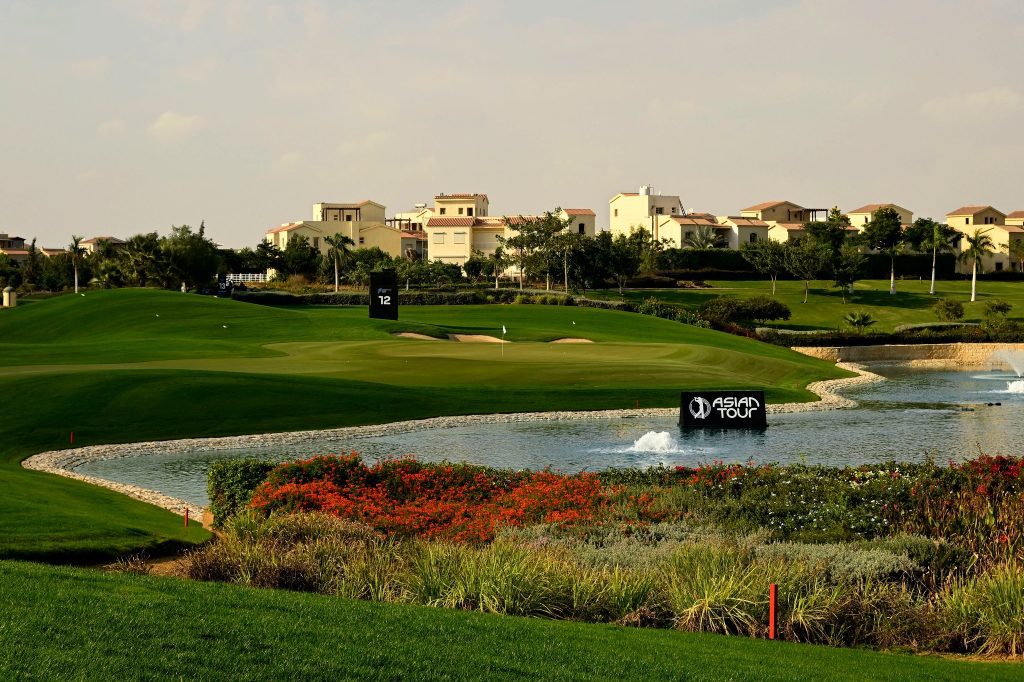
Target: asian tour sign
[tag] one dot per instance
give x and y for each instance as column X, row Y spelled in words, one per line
column 384, row 295
column 722, row 410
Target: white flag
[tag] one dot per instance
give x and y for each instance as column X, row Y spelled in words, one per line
column 503, row 330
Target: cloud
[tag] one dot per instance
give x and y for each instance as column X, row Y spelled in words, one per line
column 171, row 125
column 91, row 69
column 991, row 103
column 198, row 72
column 110, row 128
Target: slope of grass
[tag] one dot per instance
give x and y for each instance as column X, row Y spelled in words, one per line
column 70, row 623
column 132, row 365
column 825, row 308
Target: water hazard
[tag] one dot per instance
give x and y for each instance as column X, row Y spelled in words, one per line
column 916, row 414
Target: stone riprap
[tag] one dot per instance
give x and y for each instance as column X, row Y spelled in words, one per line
column 64, row 462
column 921, row 355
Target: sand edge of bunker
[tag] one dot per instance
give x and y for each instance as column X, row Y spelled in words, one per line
column 64, row 462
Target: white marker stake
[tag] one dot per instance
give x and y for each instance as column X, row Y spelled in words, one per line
column 503, row 332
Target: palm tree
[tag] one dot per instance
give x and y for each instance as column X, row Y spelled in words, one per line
column 704, row 238
column 859, row 320
column 928, row 234
column 978, row 245
column 340, row 251
column 77, row 251
column 497, row 262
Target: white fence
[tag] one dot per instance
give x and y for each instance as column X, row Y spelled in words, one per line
column 248, row 277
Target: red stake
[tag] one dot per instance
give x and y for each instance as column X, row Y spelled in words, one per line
column 186, row 522
column 72, row 438
column 773, row 600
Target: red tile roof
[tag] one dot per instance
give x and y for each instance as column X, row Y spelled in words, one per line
column 698, row 221
column 971, row 210
column 766, row 204
column 1016, row 214
column 451, row 221
column 112, row 240
column 285, row 228
column 14, row 252
column 871, row 208
column 747, row 222
column 578, row 211
column 464, row 195
column 791, row 226
column 414, row 235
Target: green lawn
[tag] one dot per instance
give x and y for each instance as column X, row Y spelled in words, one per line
column 130, row 365
column 825, row 308
column 72, row 623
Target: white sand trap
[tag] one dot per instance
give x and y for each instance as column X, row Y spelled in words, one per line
column 475, row 338
column 571, row 340
column 414, row 335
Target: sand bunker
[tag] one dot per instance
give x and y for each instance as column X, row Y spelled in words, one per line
column 414, row 335
column 571, row 340
column 475, row 338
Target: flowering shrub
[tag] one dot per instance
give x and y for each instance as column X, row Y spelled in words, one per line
column 453, row 501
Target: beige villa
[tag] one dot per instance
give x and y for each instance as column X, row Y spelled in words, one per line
column 92, row 243
column 13, row 248
column 629, row 211
column 459, row 225
column 1001, row 229
column 363, row 222
column 859, row 217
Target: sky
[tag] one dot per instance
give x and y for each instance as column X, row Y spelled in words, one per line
column 127, row 116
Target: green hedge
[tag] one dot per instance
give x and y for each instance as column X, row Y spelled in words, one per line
column 416, row 297
column 962, row 334
column 230, row 484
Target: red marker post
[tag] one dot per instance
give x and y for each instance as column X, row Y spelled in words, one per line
column 773, row 601
column 72, row 438
column 186, row 519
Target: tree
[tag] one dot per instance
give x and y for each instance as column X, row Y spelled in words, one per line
column 704, row 238
column 474, row 266
column 1015, row 250
column 189, row 257
column 948, row 310
column 567, row 245
column 339, row 251
column 859, row 320
column 495, row 264
column 299, row 258
column 806, row 259
column 885, row 234
column 77, row 252
column 831, row 235
column 848, row 269
column 530, row 247
column 141, row 258
column 978, row 245
column 926, row 234
column 767, row 257
column 32, row 269
column 625, row 257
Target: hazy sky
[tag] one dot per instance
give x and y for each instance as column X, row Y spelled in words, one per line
column 123, row 116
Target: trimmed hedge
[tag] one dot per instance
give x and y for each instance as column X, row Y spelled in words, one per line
column 463, row 297
column 963, row 334
column 230, row 484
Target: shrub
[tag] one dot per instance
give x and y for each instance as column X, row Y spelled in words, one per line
column 986, row 613
column 230, row 484
column 524, row 299
column 948, row 310
column 725, row 310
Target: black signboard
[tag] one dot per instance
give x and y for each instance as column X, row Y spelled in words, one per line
column 722, row 410
column 224, row 285
column 384, row 295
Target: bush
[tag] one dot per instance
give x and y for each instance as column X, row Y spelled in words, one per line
column 948, row 309
column 524, row 299
column 725, row 310
column 230, row 484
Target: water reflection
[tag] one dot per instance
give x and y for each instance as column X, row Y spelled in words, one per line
column 945, row 415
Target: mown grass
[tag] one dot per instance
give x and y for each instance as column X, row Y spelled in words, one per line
column 825, row 309
column 148, row 627
column 131, row 365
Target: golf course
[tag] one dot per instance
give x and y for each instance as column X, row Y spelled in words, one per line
column 138, row 364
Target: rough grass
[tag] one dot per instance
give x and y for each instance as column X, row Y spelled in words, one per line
column 71, row 623
column 825, row 308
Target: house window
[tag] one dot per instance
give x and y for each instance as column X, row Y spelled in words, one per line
column 460, row 210
column 673, row 210
column 337, row 217
column 361, row 240
column 687, row 236
column 469, row 211
column 348, row 217
column 999, row 266
column 460, row 238
column 443, row 210
column 439, row 237
column 316, row 242
column 659, row 210
column 753, row 237
column 616, row 213
column 967, row 221
column 583, row 228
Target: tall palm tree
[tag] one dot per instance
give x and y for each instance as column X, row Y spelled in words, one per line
column 340, row 251
column 704, row 237
column 978, row 245
column 77, row 251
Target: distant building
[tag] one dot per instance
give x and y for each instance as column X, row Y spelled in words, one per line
column 363, row 222
column 13, row 248
column 785, row 212
column 744, row 230
column 631, row 211
column 968, row 219
column 90, row 245
column 859, row 217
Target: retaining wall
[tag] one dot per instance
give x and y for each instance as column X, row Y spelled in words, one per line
column 960, row 354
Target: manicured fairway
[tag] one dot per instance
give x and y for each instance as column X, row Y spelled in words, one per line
column 825, row 308
column 129, row 365
column 71, row 623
